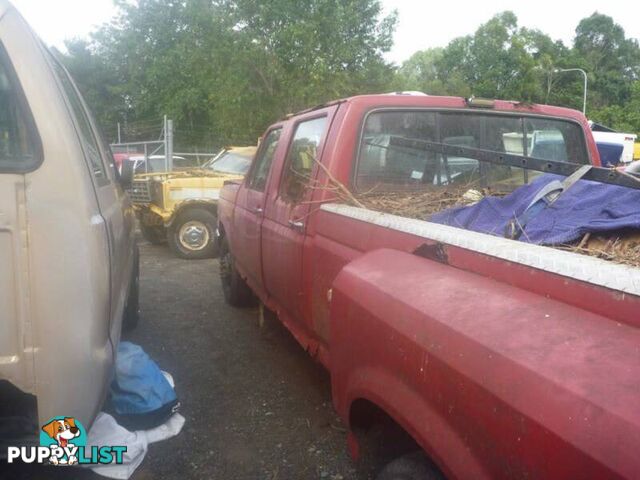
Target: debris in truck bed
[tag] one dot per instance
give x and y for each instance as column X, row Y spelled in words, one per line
column 420, row 204
column 619, row 247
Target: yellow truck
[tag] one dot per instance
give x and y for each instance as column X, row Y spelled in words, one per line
column 180, row 207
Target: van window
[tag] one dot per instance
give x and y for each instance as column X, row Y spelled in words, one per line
column 384, row 163
column 301, row 157
column 258, row 176
column 87, row 137
column 19, row 144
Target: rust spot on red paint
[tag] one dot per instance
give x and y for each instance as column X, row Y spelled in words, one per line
column 434, row 251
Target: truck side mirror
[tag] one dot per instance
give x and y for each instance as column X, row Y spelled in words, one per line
column 126, row 174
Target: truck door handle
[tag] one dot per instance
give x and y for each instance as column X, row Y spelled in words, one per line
column 297, row 224
column 257, row 210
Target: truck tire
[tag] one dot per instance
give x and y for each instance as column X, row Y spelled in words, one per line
column 413, row 466
column 155, row 234
column 131, row 314
column 192, row 234
column 236, row 291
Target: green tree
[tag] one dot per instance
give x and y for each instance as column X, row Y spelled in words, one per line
column 421, row 72
column 625, row 118
column 611, row 60
column 496, row 61
column 99, row 83
column 224, row 70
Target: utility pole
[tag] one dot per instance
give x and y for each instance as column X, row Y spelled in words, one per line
column 584, row 97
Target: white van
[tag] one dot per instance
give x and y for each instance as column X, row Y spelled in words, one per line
column 68, row 261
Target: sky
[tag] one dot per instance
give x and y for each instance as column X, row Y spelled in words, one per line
column 421, row 23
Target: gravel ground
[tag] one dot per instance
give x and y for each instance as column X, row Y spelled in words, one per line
column 256, row 406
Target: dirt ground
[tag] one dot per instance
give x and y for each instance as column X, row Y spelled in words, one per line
column 256, row 406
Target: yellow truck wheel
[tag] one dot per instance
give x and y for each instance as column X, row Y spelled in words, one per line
column 192, row 234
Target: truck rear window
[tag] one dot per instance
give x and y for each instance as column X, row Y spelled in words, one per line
column 384, row 165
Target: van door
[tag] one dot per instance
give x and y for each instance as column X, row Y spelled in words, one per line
column 286, row 212
column 20, row 152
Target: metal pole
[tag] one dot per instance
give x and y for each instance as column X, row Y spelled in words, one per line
column 584, row 98
column 119, row 139
column 170, row 143
column 166, row 146
column 146, row 159
column 584, row 95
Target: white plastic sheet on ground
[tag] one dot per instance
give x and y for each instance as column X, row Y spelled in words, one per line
column 106, row 431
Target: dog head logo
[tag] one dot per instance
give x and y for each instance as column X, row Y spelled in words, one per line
column 63, row 435
column 62, row 431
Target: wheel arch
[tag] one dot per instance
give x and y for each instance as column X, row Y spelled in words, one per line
column 372, row 395
column 208, row 205
column 378, row 437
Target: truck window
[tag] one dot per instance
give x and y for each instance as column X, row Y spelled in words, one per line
column 89, row 142
column 384, row 165
column 381, row 163
column 555, row 140
column 257, row 178
column 19, row 144
column 501, row 134
column 301, row 157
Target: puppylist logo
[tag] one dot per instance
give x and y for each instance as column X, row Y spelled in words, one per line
column 63, row 441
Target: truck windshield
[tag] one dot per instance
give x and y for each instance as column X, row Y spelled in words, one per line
column 230, row 162
column 383, row 164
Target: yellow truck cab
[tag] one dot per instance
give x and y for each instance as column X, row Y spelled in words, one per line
column 181, row 207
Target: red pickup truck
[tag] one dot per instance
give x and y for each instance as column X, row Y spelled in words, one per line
column 494, row 357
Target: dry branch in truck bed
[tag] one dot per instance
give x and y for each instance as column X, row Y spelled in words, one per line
column 419, row 204
column 620, row 247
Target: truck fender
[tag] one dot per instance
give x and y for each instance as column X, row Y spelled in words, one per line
column 451, row 354
column 371, row 360
column 430, row 430
column 210, row 205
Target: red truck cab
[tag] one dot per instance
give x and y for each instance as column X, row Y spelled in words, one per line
column 497, row 358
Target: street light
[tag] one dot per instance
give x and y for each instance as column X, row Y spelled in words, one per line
column 584, row 98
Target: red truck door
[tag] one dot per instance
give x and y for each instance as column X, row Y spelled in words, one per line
column 248, row 214
column 287, row 209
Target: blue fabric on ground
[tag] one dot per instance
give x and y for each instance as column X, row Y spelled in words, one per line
column 586, row 207
column 139, row 386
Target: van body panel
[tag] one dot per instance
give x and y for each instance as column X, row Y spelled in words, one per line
column 72, row 252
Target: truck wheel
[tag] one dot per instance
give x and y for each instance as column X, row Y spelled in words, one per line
column 132, row 308
column 413, row 466
column 192, row 234
column 155, row 234
column 236, row 291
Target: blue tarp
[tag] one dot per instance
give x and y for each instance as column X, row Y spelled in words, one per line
column 585, row 207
